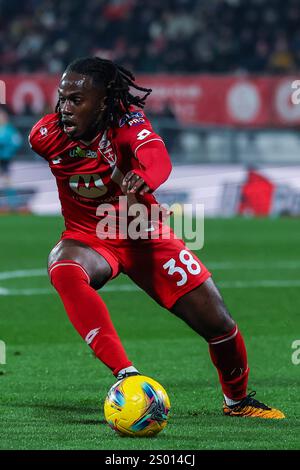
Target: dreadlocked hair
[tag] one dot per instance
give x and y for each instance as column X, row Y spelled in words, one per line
column 116, row 81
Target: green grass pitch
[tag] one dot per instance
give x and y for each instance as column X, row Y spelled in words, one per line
column 52, row 389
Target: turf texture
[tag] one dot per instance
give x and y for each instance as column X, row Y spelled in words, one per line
column 52, row 389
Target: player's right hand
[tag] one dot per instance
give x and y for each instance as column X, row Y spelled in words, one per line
column 133, row 183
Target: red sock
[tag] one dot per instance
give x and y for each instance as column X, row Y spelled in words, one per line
column 229, row 355
column 88, row 313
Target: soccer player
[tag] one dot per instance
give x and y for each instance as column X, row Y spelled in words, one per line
column 100, row 147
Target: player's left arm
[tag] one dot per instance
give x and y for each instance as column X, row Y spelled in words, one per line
column 154, row 162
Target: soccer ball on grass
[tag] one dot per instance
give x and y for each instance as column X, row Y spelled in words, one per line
column 137, row 406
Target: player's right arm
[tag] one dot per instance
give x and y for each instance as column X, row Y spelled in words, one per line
column 153, row 161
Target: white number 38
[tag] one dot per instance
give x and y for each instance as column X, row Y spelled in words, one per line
column 186, row 259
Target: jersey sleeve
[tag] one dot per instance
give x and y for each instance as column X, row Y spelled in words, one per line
column 148, row 148
column 43, row 135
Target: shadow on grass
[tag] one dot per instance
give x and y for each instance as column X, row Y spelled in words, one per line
column 61, row 412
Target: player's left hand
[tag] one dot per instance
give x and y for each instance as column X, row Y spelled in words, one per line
column 133, row 183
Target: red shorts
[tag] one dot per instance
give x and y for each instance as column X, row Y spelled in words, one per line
column 165, row 269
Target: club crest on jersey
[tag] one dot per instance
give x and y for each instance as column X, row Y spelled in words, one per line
column 107, row 151
column 132, row 119
column 78, row 152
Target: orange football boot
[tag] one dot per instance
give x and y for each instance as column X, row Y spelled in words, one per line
column 251, row 408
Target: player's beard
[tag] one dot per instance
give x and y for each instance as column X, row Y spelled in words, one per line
column 93, row 129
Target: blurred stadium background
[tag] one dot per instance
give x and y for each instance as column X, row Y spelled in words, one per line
column 221, row 73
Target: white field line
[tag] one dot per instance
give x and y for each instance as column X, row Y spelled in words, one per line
column 217, row 265
column 21, row 273
column 247, row 265
column 48, row 290
column 266, row 283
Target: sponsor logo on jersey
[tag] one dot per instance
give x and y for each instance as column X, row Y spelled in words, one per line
column 143, row 134
column 56, row 161
column 89, row 186
column 132, row 119
column 43, row 131
column 78, row 152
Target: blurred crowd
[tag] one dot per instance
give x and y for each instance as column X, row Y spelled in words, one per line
column 189, row 36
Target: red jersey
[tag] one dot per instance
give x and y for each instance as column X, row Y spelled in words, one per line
column 90, row 174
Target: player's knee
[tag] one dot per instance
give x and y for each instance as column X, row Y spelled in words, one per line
column 222, row 322
column 225, row 325
column 67, row 275
column 217, row 328
column 218, row 310
column 55, row 255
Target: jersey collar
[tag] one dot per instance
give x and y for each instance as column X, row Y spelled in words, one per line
column 88, row 143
